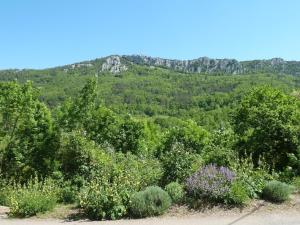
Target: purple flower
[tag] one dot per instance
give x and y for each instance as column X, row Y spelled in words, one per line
column 210, row 182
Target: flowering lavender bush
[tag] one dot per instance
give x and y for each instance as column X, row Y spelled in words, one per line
column 210, row 182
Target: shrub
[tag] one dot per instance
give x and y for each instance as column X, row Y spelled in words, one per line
column 179, row 164
column 107, row 195
column 238, row 194
column 143, row 171
column 67, row 194
column 296, row 183
column 35, row 197
column 102, row 200
column 276, row 191
column 252, row 178
column 211, row 182
column 175, row 191
column 220, row 150
column 4, row 194
column 152, row 201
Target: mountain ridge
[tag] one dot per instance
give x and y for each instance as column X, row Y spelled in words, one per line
column 120, row 63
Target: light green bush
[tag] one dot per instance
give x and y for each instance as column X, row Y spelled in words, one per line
column 238, row 194
column 32, row 198
column 276, row 191
column 175, row 191
column 103, row 200
column 152, row 201
column 4, row 194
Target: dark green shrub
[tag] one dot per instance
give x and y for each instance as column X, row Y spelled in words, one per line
column 220, row 150
column 68, row 194
column 296, row 184
column 276, row 191
column 4, row 194
column 152, row 201
column 267, row 124
column 193, row 138
column 179, row 164
column 35, row 197
column 238, row 194
column 175, row 191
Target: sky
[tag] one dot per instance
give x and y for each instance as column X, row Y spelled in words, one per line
column 47, row 33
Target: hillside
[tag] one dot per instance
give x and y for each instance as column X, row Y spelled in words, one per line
column 203, row 89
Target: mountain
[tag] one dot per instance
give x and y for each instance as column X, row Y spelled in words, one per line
column 119, row 63
column 116, row 64
column 203, row 89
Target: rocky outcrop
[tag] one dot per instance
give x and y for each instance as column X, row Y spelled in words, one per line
column 117, row 64
column 200, row 65
column 114, row 65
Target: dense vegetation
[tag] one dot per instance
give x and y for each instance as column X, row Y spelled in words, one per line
column 129, row 144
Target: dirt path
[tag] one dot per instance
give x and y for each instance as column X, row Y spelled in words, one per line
column 259, row 213
column 268, row 219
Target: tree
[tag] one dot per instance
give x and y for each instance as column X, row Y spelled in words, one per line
column 28, row 138
column 73, row 114
column 267, row 122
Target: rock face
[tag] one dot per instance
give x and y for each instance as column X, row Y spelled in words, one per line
column 221, row 66
column 117, row 64
column 114, row 65
column 200, row 65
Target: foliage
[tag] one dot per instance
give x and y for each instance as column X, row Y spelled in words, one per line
column 107, row 195
column 102, row 200
column 29, row 140
column 267, row 122
column 121, row 134
column 296, row 183
column 68, row 193
column 32, row 198
column 5, row 189
column 210, row 182
column 179, row 164
column 276, row 191
column 80, row 157
column 252, row 178
column 220, row 150
column 152, row 201
column 176, row 191
column 238, row 194
column 192, row 137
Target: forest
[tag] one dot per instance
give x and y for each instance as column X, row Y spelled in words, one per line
column 135, row 143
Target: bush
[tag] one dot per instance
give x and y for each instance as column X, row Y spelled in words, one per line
column 296, row 183
column 35, row 197
column 4, row 193
column 179, row 164
column 221, row 151
column 276, row 191
column 238, row 194
column 175, row 191
column 211, row 182
column 107, row 195
column 152, row 201
column 103, row 200
column 67, row 194
column 252, row 178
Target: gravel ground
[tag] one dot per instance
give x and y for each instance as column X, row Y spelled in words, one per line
column 258, row 213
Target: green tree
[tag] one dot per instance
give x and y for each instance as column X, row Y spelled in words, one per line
column 267, row 123
column 28, row 138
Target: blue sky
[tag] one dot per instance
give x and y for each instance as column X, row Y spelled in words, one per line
column 46, row 33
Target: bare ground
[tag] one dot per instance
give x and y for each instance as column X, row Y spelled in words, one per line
column 258, row 213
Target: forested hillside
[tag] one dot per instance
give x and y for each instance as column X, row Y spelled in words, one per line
column 153, row 91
